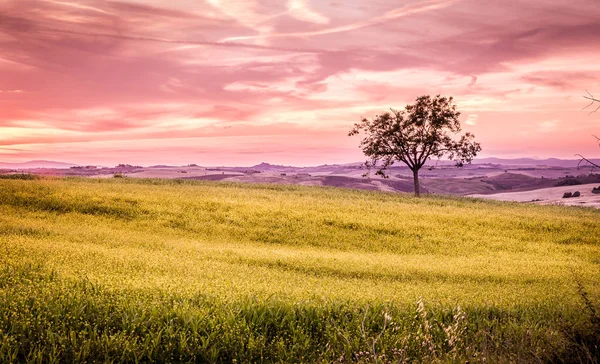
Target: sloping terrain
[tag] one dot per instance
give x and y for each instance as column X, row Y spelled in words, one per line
column 551, row 196
column 444, row 179
column 515, row 181
column 457, row 186
column 127, row 270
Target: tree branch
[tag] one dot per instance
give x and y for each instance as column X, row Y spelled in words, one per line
column 593, row 101
column 584, row 159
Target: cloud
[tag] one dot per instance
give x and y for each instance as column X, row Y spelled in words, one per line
column 472, row 119
column 564, row 80
column 394, row 14
column 78, row 6
column 549, row 125
column 97, row 69
column 300, row 9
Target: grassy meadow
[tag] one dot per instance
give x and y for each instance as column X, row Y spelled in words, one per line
column 124, row 270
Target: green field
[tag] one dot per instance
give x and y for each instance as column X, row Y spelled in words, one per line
column 130, row 270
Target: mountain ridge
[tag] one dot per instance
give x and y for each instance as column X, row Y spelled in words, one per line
column 549, row 162
column 33, row 164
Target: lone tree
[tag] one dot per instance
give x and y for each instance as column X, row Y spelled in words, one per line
column 593, row 101
column 426, row 129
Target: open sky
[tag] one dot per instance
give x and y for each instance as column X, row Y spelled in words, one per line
column 237, row 82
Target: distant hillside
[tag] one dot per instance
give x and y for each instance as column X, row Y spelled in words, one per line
column 36, row 164
column 325, row 168
column 328, row 168
column 550, row 162
column 553, row 162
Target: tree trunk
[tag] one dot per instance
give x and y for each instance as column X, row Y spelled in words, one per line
column 416, row 180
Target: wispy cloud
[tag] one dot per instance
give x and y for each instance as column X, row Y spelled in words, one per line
column 300, row 9
column 78, row 6
column 388, row 16
column 549, row 125
column 267, row 74
column 472, row 119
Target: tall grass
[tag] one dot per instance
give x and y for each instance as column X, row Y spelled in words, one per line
column 44, row 319
column 168, row 271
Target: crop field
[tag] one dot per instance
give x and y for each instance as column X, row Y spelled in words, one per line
column 124, row 270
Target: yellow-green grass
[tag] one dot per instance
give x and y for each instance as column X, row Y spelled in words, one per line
column 182, row 248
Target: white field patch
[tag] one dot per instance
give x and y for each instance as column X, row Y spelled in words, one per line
column 551, row 196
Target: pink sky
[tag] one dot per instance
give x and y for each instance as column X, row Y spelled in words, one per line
column 237, row 82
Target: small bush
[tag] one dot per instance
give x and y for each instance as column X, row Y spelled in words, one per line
column 20, row 176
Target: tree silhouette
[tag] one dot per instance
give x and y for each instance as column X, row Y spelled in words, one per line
column 426, row 129
column 593, row 100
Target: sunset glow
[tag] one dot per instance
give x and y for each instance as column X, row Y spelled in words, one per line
column 237, row 82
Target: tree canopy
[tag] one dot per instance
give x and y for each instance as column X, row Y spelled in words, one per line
column 427, row 129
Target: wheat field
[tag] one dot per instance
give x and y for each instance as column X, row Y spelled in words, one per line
column 124, row 270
